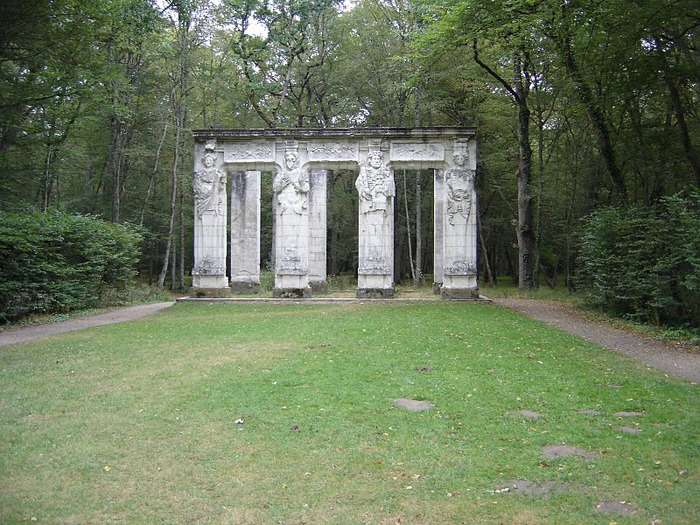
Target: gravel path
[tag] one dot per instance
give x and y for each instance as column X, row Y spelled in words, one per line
column 674, row 360
column 27, row 333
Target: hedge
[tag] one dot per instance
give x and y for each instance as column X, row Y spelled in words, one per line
column 644, row 263
column 53, row 262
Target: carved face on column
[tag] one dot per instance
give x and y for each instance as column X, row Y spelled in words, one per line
column 459, row 159
column 375, row 159
column 209, row 185
column 290, row 159
column 208, row 160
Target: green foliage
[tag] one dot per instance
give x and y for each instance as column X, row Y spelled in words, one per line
column 57, row 262
column 95, row 96
column 645, row 262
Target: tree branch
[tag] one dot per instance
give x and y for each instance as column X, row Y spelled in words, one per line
column 499, row 78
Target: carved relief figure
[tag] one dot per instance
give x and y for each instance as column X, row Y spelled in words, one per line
column 332, row 150
column 291, row 185
column 209, row 187
column 460, row 186
column 375, row 184
column 249, row 152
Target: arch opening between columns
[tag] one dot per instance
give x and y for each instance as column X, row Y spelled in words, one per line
column 300, row 160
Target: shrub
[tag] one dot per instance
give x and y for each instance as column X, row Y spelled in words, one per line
column 56, row 262
column 644, row 263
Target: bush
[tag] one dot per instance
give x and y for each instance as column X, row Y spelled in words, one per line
column 644, row 263
column 57, row 262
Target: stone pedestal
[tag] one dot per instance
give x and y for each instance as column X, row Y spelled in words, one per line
column 291, row 192
column 458, row 224
column 375, row 185
column 245, row 232
column 209, row 185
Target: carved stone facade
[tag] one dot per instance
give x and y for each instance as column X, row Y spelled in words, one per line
column 300, row 160
column 458, row 222
column 375, row 186
column 209, row 185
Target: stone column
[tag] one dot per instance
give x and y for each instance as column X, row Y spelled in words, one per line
column 291, row 191
column 438, row 229
column 317, row 230
column 459, row 227
column 245, row 232
column 375, row 185
column 209, row 184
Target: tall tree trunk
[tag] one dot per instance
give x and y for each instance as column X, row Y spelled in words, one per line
column 173, row 203
column 690, row 152
column 418, row 277
column 540, row 189
column 181, row 261
column 595, row 113
column 173, row 265
column 485, row 255
column 600, row 124
column 519, row 90
column 179, row 100
column 418, row 274
column 112, row 167
column 526, row 238
column 333, row 233
column 48, row 178
column 151, row 179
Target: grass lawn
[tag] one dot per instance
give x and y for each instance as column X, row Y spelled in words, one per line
column 267, row 414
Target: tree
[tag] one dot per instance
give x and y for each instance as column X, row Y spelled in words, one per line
column 128, row 31
column 187, row 37
column 46, row 71
column 473, row 24
column 279, row 64
column 645, row 262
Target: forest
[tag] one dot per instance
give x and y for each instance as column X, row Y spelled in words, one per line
column 586, row 114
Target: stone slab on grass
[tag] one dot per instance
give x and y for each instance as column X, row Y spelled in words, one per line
column 413, row 404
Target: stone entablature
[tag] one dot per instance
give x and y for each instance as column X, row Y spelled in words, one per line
column 300, row 159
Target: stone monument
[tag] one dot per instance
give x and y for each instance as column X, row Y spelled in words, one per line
column 300, row 160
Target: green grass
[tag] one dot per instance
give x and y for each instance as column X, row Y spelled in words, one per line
column 506, row 289
column 136, row 422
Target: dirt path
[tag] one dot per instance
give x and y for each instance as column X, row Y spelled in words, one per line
column 669, row 358
column 27, row 333
column 675, row 360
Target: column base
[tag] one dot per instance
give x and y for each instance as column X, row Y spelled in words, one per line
column 470, row 294
column 210, row 286
column 210, row 292
column 292, row 293
column 245, row 287
column 374, row 293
